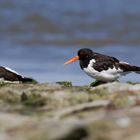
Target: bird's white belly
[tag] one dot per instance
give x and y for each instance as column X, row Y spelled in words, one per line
column 105, row 75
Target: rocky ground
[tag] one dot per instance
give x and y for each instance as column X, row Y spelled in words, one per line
column 61, row 111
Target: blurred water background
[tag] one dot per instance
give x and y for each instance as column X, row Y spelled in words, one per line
column 37, row 37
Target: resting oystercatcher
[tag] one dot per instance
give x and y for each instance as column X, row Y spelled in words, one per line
column 7, row 74
column 102, row 67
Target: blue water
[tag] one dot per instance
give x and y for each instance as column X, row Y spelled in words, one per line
column 37, row 37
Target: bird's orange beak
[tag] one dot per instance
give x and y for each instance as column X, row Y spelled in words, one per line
column 72, row 60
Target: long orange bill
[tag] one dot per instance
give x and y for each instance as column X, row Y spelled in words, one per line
column 72, row 60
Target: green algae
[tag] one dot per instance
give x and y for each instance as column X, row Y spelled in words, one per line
column 96, row 83
column 65, row 84
column 33, row 100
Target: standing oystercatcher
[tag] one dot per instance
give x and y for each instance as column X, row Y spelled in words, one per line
column 102, row 67
column 7, row 74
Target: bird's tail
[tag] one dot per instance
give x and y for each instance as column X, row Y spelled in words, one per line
column 138, row 72
column 28, row 80
column 130, row 68
column 136, row 69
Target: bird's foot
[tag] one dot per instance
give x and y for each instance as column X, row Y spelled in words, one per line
column 97, row 83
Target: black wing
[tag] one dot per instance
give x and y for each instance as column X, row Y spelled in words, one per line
column 9, row 75
column 104, row 62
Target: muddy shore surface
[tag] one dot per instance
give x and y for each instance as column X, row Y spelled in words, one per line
column 60, row 111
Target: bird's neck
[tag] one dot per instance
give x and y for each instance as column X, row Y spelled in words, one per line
column 84, row 63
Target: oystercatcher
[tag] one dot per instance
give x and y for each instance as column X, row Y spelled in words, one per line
column 102, row 67
column 7, row 74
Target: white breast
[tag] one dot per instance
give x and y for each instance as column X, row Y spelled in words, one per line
column 105, row 75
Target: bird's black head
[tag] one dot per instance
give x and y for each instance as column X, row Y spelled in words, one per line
column 84, row 54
